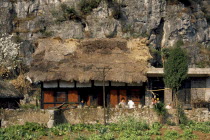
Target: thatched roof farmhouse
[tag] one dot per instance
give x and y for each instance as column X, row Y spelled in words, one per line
column 9, row 96
column 56, row 59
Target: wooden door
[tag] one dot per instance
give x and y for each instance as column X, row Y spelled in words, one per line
column 114, row 98
column 48, row 98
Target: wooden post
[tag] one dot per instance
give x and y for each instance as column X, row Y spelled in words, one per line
column 104, row 92
column 104, row 96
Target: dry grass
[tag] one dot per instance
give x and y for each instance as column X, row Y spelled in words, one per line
column 21, row 84
column 78, row 60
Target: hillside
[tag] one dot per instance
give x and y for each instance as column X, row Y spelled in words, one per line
column 164, row 23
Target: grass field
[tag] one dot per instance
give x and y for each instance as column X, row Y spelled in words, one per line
column 123, row 130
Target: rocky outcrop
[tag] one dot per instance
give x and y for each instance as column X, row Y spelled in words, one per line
column 163, row 23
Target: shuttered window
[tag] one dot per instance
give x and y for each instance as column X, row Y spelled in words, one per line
column 61, row 97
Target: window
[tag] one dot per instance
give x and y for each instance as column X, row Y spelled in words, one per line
column 61, row 97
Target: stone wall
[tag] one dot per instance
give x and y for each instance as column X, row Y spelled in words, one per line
column 12, row 117
column 114, row 115
column 198, row 90
column 95, row 115
column 207, row 97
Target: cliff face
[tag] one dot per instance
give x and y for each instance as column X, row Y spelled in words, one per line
column 162, row 22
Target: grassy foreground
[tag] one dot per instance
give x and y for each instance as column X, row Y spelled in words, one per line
column 123, row 130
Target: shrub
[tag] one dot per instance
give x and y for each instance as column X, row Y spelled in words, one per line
column 182, row 117
column 66, row 13
column 160, row 108
column 87, row 6
column 176, row 67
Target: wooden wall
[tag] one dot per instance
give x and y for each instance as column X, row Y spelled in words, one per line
column 113, row 96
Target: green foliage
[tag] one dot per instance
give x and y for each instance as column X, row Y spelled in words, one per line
column 126, row 130
column 66, row 13
column 182, row 117
column 176, row 67
column 160, row 109
column 87, row 6
column 27, row 131
column 156, row 126
column 179, row 43
column 188, row 134
column 165, row 52
column 171, row 135
column 197, row 126
column 132, row 124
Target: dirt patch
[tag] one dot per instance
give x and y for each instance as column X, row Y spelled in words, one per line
column 201, row 136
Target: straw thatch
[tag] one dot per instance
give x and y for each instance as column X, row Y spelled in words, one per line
column 9, row 91
column 79, row 60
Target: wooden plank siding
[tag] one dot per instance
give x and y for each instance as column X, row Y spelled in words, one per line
column 49, row 96
column 94, row 96
column 114, row 98
column 73, row 96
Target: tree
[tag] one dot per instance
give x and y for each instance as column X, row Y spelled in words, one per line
column 175, row 70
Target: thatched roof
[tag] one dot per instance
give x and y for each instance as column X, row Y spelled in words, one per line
column 7, row 90
column 56, row 59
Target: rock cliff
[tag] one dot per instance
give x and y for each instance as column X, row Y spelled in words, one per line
column 162, row 22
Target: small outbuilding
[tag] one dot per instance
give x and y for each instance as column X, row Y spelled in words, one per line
column 9, row 96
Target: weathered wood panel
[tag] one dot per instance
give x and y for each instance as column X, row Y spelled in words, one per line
column 113, row 98
column 48, row 96
column 123, row 94
column 73, row 96
column 88, row 100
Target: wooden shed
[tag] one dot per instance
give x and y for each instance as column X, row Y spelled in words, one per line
column 9, row 96
column 72, row 70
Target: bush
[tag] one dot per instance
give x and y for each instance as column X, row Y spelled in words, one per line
column 182, row 117
column 66, row 13
column 87, row 6
column 160, row 108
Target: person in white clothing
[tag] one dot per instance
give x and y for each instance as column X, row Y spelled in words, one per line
column 131, row 104
column 169, row 106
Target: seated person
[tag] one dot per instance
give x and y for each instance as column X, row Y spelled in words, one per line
column 131, row 104
column 122, row 103
column 82, row 103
